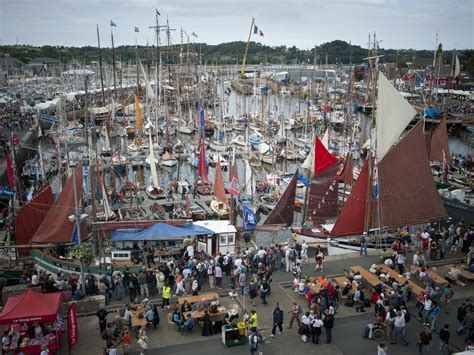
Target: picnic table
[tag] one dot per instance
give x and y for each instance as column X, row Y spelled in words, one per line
column 203, row 297
column 438, row 280
column 372, row 279
column 221, row 312
column 468, row 276
column 137, row 320
column 400, row 279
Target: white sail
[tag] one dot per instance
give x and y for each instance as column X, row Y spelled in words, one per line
column 248, row 179
column 457, row 66
column 107, row 141
column 154, row 176
column 150, row 94
column 326, row 139
column 393, row 115
column 105, row 200
column 308, row 162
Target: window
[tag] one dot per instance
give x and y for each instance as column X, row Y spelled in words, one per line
column 231, row 239
column 223, row 239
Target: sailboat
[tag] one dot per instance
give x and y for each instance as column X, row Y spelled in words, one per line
column 202, row 185
column 106, row 214
column 395, row 187
column 153, row 190
column 219, row 204
column 283, row 213
column 168, row 160
column 106, row 149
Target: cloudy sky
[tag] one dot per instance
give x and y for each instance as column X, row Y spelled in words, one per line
column 304, row 23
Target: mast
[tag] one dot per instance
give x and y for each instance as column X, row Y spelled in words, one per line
column 242, row 71
column 100, row 65
column 113, row 63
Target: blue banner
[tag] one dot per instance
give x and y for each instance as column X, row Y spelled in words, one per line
column 249, row 219
column 7, row 193
column 201, row 113
column 49, row 119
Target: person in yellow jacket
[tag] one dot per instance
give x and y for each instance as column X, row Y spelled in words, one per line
column 253, row 319
column 166, row 292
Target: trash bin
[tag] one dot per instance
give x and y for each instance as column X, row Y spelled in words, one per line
column 241, row 327
column 231, row 336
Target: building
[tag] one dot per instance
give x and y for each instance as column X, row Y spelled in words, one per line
column 11, row 66
column 45, row 66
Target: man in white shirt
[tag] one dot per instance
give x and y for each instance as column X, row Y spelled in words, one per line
column 398, row 328
column 261, row 253
column 304, row 251
column 401, row 259
column 190, row 251
column 238, row 263
column 427, row 307
column 317, row 329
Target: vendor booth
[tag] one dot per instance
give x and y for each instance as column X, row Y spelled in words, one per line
column 33, row 319
column 221, row 239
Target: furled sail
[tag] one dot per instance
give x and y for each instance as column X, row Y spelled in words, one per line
column 219, row 190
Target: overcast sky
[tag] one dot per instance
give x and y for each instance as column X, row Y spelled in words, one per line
column 304, row 23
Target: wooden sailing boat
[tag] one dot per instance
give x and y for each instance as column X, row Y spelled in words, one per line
column 153, row 190
column 202, row 185
column 403, row 190
column 219, row 204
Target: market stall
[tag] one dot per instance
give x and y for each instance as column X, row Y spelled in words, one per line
column 33, row 319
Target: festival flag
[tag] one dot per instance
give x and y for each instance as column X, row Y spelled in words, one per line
column 10, row 171
column 194, row 34
column 249, row 219
column 260, row 33
column 72, row 328
column 255, row 29
column 112, row 24
column 137, row 29
column 201, row 115
column 157, row 13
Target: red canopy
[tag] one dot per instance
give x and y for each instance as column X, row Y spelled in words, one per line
column 31, row 306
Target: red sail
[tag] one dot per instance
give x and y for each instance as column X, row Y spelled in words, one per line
column 10, row 171
column 283, row 212
column 408, row 193
column 323, row 194
column 439, row 150
column 31, row 216
column 56, row 227
column 351, row 220
column 322, row 158
column 219, row 190
column 202, row 171
column 346, row 175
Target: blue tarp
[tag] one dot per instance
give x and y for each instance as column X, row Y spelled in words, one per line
column 432, row 112
column 159, row 231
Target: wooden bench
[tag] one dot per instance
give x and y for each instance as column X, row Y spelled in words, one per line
column 202, row 297
column 372, row 279
column 438, row 280
column 342, row 281
column 468, row 276
column 400, row 279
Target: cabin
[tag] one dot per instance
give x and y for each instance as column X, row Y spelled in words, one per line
column 221, row 241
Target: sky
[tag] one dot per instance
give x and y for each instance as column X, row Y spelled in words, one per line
column 400, row 24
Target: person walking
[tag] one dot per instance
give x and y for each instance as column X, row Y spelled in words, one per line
column 448, row 293
column 304, row 251
column 444, row 340
column 242, row 282
column 264, row 291
column 253, row 341
column 295, row 314
column 329, row 324
column 316, row 329
column 399, row 328
column 277, row 320
column 381, row 349
column 102, row 315
column 166, row 296
column 253, row 292
column 424, row 341
column 363, row 244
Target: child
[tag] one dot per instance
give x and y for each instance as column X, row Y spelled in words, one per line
column 126, row 342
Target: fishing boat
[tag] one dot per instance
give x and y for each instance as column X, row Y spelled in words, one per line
column 197, row 213
column 404, row 192
column 168, row 160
